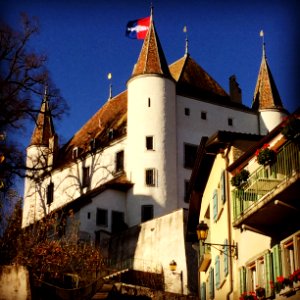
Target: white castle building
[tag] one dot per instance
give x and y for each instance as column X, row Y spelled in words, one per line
column 131, row 162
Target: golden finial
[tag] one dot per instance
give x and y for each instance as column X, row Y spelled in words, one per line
column 109, row 77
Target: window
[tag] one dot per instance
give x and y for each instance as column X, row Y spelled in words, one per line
column 187, row 111
column 85, row 176
column 230, row 122
column 211, row 284
column 149, row 102
column 219, row 198
column 120, row 161
column 257, row 273
column 110, row 133
column 186, row 190
column 190, row 153
column 203, row 115
column 93, row 144
column 150, row 177
column 101, row 217
column 50, row 191
column 75, row 153
column 88, row 215
column 149, row 143
column 290, row 254
column 117, row 221
column 147, row 213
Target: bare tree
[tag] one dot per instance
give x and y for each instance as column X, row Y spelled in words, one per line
column 23, row 77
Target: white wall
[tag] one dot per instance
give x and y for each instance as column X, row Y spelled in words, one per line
column 158, row 120
column 111, row 201
column 191, row 128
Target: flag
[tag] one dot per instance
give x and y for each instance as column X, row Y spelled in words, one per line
column 138, row 29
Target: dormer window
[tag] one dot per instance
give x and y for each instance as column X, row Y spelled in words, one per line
column 75, row 153
column 111, row 133
column 92, row 144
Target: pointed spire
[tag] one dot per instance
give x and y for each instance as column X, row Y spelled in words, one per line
column 44, row 128
column 151, row 59
column 266, row 94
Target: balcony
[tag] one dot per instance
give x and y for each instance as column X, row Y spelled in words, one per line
column 269, row 201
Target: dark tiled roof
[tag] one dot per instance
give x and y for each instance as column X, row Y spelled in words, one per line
column 194, row 81
column 266, row 94
column 44, row 128
column 112, row 116
column 152, row 59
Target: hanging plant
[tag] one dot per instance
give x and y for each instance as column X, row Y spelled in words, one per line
column 291, row 129
column 240, row 178
column 265, row 156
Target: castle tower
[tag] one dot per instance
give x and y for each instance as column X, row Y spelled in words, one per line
column 266, row 98
column 40, row 156
column 151, row 134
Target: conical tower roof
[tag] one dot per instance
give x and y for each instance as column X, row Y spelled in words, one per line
column 44, row 128
column 266, row 94
column 151, row 59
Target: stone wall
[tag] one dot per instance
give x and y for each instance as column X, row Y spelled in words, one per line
column 14, row 283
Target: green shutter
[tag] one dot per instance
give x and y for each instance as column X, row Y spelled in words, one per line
column 217, row 271
column 215, row 205
column 211, row 284
column 268, row 274
column 203, row 291
column 277, row 265
column 223, row 187
column 242, row 280
column 226, row 253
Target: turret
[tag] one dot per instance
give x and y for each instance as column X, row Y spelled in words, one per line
column 40, row 157
column 266, row 98
column 151, row 131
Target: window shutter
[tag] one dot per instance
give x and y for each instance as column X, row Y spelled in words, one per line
column 277, row 266
column 203, row 290
column 222, row 187
column 242, row 280
column 217, row 272
column 215, row 205
column 226, row 253
column 268, row 274
column 211, row 284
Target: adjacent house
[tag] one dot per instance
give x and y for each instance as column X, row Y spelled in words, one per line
column 250, row 205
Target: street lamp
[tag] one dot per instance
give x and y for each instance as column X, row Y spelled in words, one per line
column 202, row 232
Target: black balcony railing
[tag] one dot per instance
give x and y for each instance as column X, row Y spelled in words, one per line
column 265, row 179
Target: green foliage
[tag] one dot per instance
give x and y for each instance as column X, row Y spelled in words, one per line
column 240, row 178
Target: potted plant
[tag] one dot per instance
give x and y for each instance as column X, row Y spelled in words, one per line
column 238, row 179
column 291, row 129
column 281, row 283
column 265, row 156
column 260, row 292
column 248, row 296
column 295, row 278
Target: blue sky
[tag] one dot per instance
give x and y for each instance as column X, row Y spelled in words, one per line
column 85, row 40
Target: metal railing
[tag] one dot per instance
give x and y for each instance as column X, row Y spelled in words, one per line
column 265, row 179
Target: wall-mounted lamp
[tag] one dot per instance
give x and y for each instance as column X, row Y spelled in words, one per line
column 202, row 232
column 173, row 267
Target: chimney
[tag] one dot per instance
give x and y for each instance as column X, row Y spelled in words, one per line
column 234, row 90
